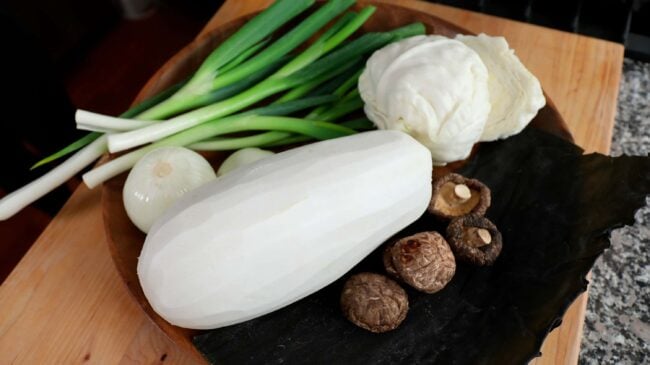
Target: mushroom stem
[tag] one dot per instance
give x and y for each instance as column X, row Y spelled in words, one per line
column 462, row 192
column 484, row 235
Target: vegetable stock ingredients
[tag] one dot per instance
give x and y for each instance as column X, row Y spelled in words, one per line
column 241, row 158
column 431, row 87
column 253, row 64
column 450, row 93
column 160, row 178
column 454, row 196
column 387, row 259
column 424, row 261
column 374, row 302
column 515, row 93
column 474, row 239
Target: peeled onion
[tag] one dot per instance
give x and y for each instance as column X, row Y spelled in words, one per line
column 158, row 179
column 242, row 157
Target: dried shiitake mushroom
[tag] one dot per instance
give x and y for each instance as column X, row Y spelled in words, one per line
column 474, row 239
column 454, row 196
column 424, row 261
column 374, row 302
column 388, row 261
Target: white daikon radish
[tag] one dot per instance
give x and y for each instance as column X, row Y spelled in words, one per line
column 279, row 229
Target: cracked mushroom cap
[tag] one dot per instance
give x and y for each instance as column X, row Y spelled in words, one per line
column 388, row 261
column 454, row 195
column 374, row 302
column 474, row 239
column 424, row 261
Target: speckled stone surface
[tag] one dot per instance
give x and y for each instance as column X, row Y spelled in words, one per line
column 617, row 327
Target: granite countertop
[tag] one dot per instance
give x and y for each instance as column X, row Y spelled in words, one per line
column 617, row 327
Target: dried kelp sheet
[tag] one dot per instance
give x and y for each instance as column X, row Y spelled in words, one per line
column 555, row 208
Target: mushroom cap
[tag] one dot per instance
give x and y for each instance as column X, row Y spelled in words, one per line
column 424, row 261
column 448, row 198
column 387, row 258
column 464, row 236
column 374, row 302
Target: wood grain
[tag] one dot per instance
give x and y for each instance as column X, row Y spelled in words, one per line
column 64, row 302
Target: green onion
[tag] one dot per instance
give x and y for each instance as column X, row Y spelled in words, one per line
column 74, row 146
column 330, row 86
column 346, row 104
column 353, row 94
column 361, row 124
column 409, row 30
column 292, row 106
column 207, row 130
column 313, row 128
column 256, row 29
column 340, row 109
column 244, row 56
column 156, row 99
column 93, row 121
column 290, row 41
column 239, row 86
column 245, row 69
column 186, row 98
column 268, row 137
column 90, row 137
column 344, row 87
column 304, row 89
column 324, row 44
column 226, row 144
column 232, row 124
column 291, row 139
column 272, row 85
column 349, row 84
column 17, row 200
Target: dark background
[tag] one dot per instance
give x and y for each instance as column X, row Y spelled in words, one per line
column 59, row 55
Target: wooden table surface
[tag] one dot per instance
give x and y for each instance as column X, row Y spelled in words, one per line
column 65, row 303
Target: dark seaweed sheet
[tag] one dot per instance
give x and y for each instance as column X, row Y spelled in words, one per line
column 555, row 208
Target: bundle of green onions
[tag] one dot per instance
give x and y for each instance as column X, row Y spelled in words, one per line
column 211, row 111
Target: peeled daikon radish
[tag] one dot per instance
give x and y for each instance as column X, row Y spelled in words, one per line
column 279, row 229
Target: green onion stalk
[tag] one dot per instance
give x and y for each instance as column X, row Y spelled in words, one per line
column 306, row 67
column 284, row 79
column 245, row 69
column 271, row 118
column 208, row 78
column 94, row 145
column 345, row 104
